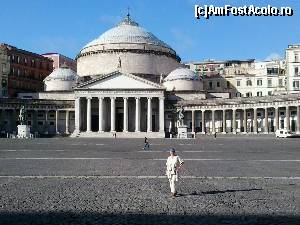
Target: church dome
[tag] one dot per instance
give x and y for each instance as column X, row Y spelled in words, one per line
column 61, row 79
column 183, row 79
column 128, row 31
column 181, row 74
column 128, row 48
column 62, row 73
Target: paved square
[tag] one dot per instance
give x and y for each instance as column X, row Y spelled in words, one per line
column 228, row 180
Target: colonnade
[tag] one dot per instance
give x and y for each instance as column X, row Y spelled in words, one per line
column 9, row 120
column 101, row 110
column 243, row 115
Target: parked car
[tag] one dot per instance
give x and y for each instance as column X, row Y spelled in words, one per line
column 283, row 133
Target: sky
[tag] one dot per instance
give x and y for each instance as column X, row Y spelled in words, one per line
column 65, row 26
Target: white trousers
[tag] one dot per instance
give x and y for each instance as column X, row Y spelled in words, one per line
column 172, row 181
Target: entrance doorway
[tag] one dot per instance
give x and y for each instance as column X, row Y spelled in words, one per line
column 95, row 123
column 119, row 121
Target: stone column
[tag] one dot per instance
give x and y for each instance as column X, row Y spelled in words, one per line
column 213, row 121
column 224, row 121
column 161, row 114
column 13, row 126
column 266, row 121
column 276, row 119
column 34, row 124
column 234, row 121
column 77, row 115
column 245, row 121
column 137, row 114
column 149, row 116
column 255, row 120
column 101, row 99
column 56, row 121
column 112, row 114
column 88, row 114
column 193, row 121
column 298, row 120
column 203, row 121
column 46, row 122
column 287, row 118
column 1, row 119
column 67, row 121
column 125, row 122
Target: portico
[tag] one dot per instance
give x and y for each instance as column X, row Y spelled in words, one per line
column 119, row 103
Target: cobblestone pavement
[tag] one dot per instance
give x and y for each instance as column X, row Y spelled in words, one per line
column 228, row 180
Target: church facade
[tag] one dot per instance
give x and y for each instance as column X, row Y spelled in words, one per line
column 131, row 84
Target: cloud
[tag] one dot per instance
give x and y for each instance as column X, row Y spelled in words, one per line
column 273, row 56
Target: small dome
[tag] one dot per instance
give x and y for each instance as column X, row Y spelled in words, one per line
column 181, row 74
column 62, row 73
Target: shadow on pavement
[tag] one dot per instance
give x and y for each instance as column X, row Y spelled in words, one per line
column 218, row 192
column 85, row 218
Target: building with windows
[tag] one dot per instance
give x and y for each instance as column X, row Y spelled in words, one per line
column 22, row 71
column 60, row 60
column 130, row 82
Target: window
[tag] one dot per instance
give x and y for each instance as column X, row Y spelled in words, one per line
column 51, row 116
column 238, row 94
column 296, row 57
column 40, row 123
column 218, row 84
column 269, row 82
column 249, row 83
column 297, row 71
column 51, row 123
column 210, row 85
column 259, row 93
column 228, row 84
column 271, row 71
column 238, row 83
column 249, row 94
column 296, row 85
column 259, row 82
column 259, row 114
column 269, row 92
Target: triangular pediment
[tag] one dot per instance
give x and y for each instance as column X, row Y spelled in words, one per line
column 119, row 80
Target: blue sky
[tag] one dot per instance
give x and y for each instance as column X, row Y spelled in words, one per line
column 65, row 26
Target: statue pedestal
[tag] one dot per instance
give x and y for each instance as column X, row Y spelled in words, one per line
column 182, row 131
column 23, row 131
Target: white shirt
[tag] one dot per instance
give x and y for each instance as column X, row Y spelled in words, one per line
column 173, row 162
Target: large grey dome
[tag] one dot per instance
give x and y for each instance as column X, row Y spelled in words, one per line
column 129, row 48
column 128, row 31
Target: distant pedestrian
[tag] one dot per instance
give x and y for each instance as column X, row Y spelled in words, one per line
column 115, row 134
column 215, row 134
column 147, row 145
column 174, row 163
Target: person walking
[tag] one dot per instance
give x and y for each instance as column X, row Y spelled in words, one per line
column 147, row 145
column 174, row 163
